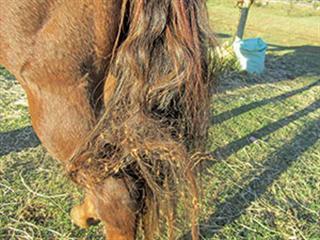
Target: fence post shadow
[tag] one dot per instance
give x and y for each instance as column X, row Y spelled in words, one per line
column 226, row 151
column 231, row 208
column 220, row 118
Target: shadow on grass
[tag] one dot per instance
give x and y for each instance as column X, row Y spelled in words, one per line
column 222, row 35
column 282, row 63
column 232, row 208
column 300, row 61
column 17, row 140
column 275, row 165
column 245, row 108
column 226, row 151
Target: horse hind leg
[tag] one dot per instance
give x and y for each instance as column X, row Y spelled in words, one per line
column 116, row 208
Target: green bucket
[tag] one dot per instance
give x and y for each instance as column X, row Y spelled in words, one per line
column 251, row 54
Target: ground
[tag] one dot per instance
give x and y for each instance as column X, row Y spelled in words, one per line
column 264, row 180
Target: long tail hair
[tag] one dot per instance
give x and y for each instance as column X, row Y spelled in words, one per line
column 156, row 119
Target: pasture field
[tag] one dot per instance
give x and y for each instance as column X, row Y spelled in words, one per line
column 264, row 180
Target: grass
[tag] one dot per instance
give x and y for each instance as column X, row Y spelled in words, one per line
column 264, row 181
column 300, row 26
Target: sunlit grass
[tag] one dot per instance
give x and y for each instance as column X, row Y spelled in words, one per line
column 264, row 180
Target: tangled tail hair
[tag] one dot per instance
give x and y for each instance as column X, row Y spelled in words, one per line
column 165, row 54
column 155, row 123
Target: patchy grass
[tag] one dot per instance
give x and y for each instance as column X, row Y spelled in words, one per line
column 266, row 184
column 35, row 195
column 264, row 180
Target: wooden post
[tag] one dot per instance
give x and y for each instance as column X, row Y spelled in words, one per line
column 245, row 6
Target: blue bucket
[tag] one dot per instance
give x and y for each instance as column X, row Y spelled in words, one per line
column 251, row 54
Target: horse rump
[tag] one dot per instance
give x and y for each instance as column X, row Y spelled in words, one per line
column 154, row 126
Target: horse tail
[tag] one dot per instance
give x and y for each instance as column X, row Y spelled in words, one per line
column 157, row 106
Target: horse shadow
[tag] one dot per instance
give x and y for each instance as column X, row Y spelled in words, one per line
column 18, row 140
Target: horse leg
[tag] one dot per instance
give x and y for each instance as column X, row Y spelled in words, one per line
column 84, row 215
column 112, row 204
column 112, row 233
column 116, row 209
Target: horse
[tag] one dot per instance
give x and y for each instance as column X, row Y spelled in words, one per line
column 119, row 93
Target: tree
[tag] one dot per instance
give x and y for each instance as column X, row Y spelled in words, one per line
column 245, row 7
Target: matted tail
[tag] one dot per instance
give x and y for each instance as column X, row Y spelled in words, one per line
column 155, row 124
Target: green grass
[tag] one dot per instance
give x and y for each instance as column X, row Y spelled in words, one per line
column 274, row 23
column 264, row 182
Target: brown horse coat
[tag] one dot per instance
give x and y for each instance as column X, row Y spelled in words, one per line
column 59, row 51
column 152, row 54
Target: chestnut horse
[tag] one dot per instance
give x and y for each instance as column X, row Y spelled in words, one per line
column 118, row 91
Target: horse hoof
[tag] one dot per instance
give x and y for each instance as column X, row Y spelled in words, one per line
column 79, row 217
